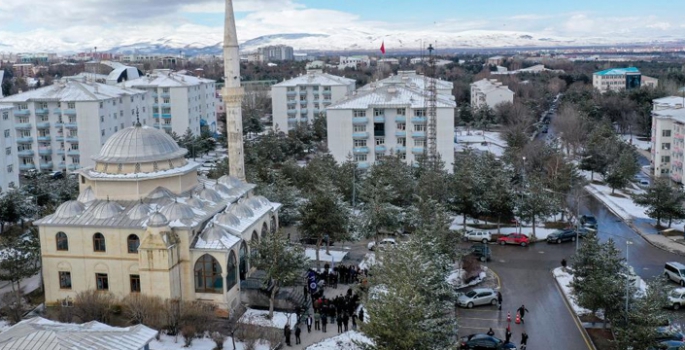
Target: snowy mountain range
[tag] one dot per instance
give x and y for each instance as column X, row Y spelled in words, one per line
column 342, row 40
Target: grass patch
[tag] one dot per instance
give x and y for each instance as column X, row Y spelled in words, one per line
column 602, row 338
column 556, row 224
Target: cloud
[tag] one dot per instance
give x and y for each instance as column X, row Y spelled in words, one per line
column 661, row 25
column 529, row 17
column 579, row 23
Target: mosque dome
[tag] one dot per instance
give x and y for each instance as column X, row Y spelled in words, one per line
column 161, row 196
column 228, row 219
column 86, row 195
column 139, row 211
column 106, row 210
column 242, row 211
column 213, row 233
column 209, row 194
column 195, row 202
column 231, row 181
column 157, row 219
column 178, row 211
column 254, row 203
column 139, row 144
column 70, row 209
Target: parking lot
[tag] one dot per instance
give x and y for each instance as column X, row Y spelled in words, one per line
column 481, row 319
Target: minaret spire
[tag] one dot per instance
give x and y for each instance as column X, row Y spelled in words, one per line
column 233, row 96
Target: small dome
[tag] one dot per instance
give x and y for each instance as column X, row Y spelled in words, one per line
column 139, row 211
column 263, row 200
column 139, row 144
column 70, row 209
column 229, row 191
column 213, row 233
column 231, row 181
column 195, row 203
column 221, row 188
column 106, row 210
column 157, row 219
column 209, row 194
column 228, row 220
column 254, row 203
column 161, row 192
column 178, row 211
column 87, row 195
column 242, row 211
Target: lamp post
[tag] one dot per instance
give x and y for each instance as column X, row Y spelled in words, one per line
column 628, row 244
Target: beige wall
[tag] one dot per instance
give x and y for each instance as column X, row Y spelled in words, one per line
column 134, row 190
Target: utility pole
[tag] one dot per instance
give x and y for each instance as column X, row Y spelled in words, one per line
column 431, row 109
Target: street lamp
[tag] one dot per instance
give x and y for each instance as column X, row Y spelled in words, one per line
column 628, row 244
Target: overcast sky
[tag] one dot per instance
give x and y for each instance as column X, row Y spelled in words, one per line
column 74, row 21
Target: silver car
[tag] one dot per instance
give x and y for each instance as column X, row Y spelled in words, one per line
column 478, row 296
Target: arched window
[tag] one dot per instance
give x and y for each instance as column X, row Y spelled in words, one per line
column 62, row 241
column 208, row 275
column 243, row 261
column 231, row 272
column 133, row 243
column 255, row 237
column 265, row 230
column 99, row 242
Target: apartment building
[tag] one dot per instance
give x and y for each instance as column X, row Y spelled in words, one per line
column 354, row 62
column 9, row 168
column 179, row 102
column 276, row 53
column 387, row 118
column 617, row 79
column 59, row 127
column 22, row 70
column 413, row 79
column 668, row 137
column 489, row 93
column 298, row 100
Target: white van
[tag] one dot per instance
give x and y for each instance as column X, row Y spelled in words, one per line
column 675, row 271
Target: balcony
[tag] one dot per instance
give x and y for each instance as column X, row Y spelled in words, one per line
column 57, row 111
column 166, row 116
column 165, row 95
column 74, row 166
column 379, row 133
column 292, row 120
column 380, row 149
column 360, row 135
column 303, row 110
column 21, row 113
column 22, row 126
column 25, row 153
column 28, row 166
column 303, row 93
column 44, row 138
column 42, row 111
column 153, row 95
column 304, row 119
column 291, row 93
column 292, row 111
column 45, row 151
column 401, row 119
column 400, row 149
column 401, row 133
column 358, row 150
column 316, row 111
column 59, row 138
column 327, row 92
column 155, row 105
column 418, row 120
column 73, row 152
column 292, row 102
column 60, row 151
column 59, row 124
column 69, row 111
column 43, row 125
column 166, row 105
column 417, row 150
column 379, row 119
column 71, row 125
column 362, row 165
column 46, row 166
column 72, row 139
column 25, row 139
column 418, row 134
column 360, row 120
column 62, row 165
column 166, row 126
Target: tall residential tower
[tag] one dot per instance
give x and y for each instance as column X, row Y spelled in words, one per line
column 233, row 96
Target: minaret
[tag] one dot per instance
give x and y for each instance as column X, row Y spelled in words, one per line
column 233, row 96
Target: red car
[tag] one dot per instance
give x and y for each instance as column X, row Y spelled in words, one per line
column 514, row 238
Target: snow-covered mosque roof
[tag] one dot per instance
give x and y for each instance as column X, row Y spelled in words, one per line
column 139, row 144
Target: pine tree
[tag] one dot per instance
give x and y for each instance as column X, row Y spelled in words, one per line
column 622, row 170
column 377, row 213
column 637, row 328
column 281, row 262
column 19, row 258
column 662, row 201
column 498, row 198
column 465, row 190
column 279, row 189
column 536, row 203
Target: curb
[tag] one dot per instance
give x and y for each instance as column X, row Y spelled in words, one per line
column 576, row 319
column 632, row 225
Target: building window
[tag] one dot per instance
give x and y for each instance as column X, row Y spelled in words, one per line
column 101, row 104
column 71, row 105
column 378, row 112
column 420, row 143
column 232, row 272
column 315, row 88
column 99, row 242
column 62, row 241
column 401, row 111
column 401, row 141
column 291, row 89
column 359, row 113
column 101, row 281
column 208, row 275
column 7, row 133
column 359, row 143
column 64, row 280
column 133, row 243
column 135, row 283
column 380, row 141
column 419, row 112
column 401, row 126
column 360, row 158
column 666, row 146
column 419, row 127
column 8, row 151
column 10, row 168
column 666, row 133
column 359, row 128
column 5, row 116
column 665, row 159
column 403, row 156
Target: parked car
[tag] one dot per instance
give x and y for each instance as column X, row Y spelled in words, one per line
column 669, row 333
column 478, row 236
column 385, row 242
column 565, row 235
column 514, row 238
column 670, row 345
column 676, row 298
column 675, row 271
column 31, row 174
column 480, row 341
column 481, row 251
column 56, row 175
column 588, row 221
column 477, row 297
column 583, row 231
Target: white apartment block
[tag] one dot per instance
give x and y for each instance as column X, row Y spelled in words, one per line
column 617, row 79
column 414, row 80
column 388, row 118
column 9, row 168
column 489, row 93
column 354, row 62
column 60, row 126
column 179, row 102
column 276, row 53
column 668, row 137
column 300, row 99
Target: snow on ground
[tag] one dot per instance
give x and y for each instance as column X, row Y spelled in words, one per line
column 540, row 232
column 368, row 261
column 493, row 148
column 344, row 341
column 336, row 256
column 259, row 318
column 643, row 145
column 166, row 342
column 625, row 207
column 484, row 141
column 457, row 276
column 564, row 279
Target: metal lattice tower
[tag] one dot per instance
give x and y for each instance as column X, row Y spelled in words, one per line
column 431, row 106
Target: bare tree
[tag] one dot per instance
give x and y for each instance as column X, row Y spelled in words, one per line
column 93, row 305
column 572, row 128
column 13, row 305
column 144, row 309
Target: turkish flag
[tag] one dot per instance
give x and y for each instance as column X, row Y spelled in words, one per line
column 383, row 47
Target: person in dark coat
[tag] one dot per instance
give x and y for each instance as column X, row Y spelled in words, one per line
column 361, row 315
column 499, row 300
column 286, row 332
column 297, row 335
column 524, row 340
column 317, row 321
column 339, row 321
column 522, row 311
column 354, row 321
column 346, row 320
column 308, row 322
column 324, row 321
column 491, row 332
column 507, row 335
